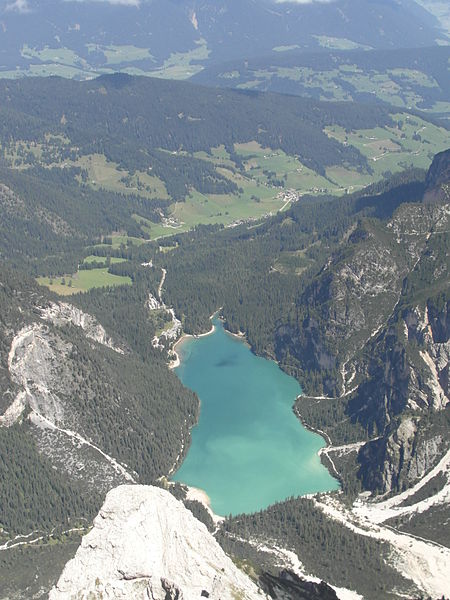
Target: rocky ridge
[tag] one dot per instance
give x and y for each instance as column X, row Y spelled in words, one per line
column 146, row 544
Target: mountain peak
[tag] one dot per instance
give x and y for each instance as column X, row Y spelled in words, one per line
column 146, row 544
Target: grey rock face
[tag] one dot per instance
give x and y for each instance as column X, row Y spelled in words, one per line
column 379, row 321
column 146, row 544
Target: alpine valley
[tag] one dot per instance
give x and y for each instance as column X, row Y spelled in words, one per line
column 134, row 208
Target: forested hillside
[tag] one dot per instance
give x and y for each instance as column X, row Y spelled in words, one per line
column 258, row 262
column 127, row 118
column 47, row 218
column 80, row 412
column 140, row 159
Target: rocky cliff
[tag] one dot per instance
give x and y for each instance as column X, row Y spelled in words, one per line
column 378, row 326
column 146, row 544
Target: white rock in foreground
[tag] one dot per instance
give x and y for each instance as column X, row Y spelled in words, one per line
column 146, row 545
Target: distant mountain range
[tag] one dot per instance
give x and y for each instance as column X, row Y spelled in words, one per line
column 176, row 38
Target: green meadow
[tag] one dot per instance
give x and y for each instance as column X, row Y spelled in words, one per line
column 410, row 142
column 105, row 174
column 82, row 281
column 101, row 259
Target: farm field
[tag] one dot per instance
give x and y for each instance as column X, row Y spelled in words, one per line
column 183, row 65
column 116, row 55
column 119, row 240
column 210, row 209
column 264, row 164
column 101, row 259
column 104, row 174
column 338, row 43
column 101, row 173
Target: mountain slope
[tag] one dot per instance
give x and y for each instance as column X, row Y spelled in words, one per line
column 394, row 378
column 81, row 405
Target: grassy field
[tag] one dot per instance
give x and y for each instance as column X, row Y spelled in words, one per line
column 293, row 263
column 92, row 259
column 102, row 173
column 158, row 230
column 66, row 63
column 53, row 61
column 218, row 156
column 105, row 174
column 180, row 65
column 54, row 55
column 335, row 43
column 116, row 55
column 215, row 209
column 166, row 249
column 295, row 175
column 257, row 196
column 226, row 209
column 82, row 281
column 285, row 48
column 122, row 240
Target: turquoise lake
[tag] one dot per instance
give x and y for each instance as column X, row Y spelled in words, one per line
column 248, row 449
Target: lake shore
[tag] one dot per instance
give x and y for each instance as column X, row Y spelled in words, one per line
column 176, row 361
column 201, row 496
column 246, row 402
column 324, row 451
column 195, row 494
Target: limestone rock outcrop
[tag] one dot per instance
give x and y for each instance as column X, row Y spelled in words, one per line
column 146, row 545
